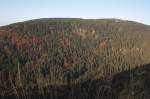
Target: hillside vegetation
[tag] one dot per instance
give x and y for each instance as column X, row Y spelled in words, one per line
column 41, row 53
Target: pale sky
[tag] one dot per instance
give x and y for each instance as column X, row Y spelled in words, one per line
column 12, row 11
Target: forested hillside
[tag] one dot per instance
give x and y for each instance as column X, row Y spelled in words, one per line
column 55, row 52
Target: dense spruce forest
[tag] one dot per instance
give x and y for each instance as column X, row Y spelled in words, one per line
column 69, row 58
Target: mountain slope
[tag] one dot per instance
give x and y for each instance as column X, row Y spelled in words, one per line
column 43, row 52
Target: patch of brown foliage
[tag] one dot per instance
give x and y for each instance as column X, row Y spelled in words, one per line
column 19, row 40
column 33, row 65
column 23, row 40
column 103, row 44
column 3, row 33
column 64, row 41
column 69, row 63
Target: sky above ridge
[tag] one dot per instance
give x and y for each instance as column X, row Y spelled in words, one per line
column 12, row 11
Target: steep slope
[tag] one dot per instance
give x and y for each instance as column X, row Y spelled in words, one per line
column 44, row 52
column 133, row 84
